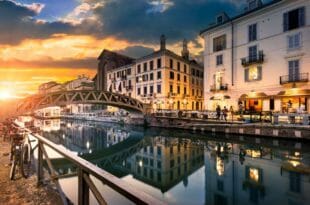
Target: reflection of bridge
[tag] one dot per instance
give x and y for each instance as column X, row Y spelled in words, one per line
column 109, row 156
column 63, row 98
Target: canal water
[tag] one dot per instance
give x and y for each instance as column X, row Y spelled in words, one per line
column 180, row 167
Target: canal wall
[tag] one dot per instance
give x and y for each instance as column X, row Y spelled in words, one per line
column 251, row 129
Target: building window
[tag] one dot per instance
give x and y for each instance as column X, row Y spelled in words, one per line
column 253, row 32
column 294, row 19
column 220, row 185
column 159, row 63
column 139, row 69
column 252, row 53
column 253, row 73
column 171, row 88
column 159, row 88
column 151, row 89
column 145, row 90
column 193, row 93
column 178, row 89
column 219, row 19
column 294, row 41
column 151, row 65
column 185, row 79
column 139, row 91
column 293, row 70
column 178, row 77
column 185, row 68
column 129, row 71
column 171, row 63
column 159, row 75
column 171, row 75
column 184, row 90
column 178, row 66
column 145, row 67
column 219, row 59
column 219, row 43
column 295, row 182
column 158, row 151
column 151, row 76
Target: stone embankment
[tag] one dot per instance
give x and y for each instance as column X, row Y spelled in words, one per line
column 253, row 129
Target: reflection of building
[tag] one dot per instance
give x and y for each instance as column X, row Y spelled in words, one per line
column 163, row 78
column 259, row 175
column 268, row 67
column 165, row 162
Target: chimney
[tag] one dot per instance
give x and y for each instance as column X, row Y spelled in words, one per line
column 162, row 42
column 185, row 52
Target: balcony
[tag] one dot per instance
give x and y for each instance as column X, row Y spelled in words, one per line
column 299, row 77
column 124, row 77
column 223, row 87
column 255, row 59
column 129, row 87
column 170, row 94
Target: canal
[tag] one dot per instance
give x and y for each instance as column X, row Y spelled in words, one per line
column 180, row 167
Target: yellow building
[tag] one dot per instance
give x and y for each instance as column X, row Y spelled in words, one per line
column 163, row 79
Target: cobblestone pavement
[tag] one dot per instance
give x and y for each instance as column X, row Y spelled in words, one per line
column 22, row 191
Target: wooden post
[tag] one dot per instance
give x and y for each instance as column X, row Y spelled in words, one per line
column 83, row 189
column 40, row 164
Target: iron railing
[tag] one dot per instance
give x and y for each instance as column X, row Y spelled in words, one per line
column 258, row 58
column 299, row 77
column 85, row 170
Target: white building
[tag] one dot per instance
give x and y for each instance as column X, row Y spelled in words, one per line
column 260, row 58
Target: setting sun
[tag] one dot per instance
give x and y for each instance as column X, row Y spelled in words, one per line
column 5, row 94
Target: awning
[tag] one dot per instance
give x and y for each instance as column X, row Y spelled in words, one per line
column 294, row 92
column 220, row 98
column 253, row 95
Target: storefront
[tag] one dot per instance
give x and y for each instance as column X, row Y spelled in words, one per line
column 221, row 100
column 294, row 100
column 254, row 101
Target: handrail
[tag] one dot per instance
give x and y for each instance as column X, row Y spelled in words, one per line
column 87, row 168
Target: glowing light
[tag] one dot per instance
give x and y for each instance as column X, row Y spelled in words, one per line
column 294, row 163
column 254, row 174
column 5, row 94
column 220, row 166
column 140, row 163
column 87, row 145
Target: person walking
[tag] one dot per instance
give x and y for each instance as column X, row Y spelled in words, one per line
column 231, row 110
column 218, row 112
column 225, row 111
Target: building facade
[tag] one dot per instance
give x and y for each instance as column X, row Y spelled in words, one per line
column 260, row 58
column 163, row 79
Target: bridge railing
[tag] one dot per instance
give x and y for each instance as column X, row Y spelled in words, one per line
column 85, row 169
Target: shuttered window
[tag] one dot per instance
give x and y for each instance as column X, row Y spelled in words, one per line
column 253, row 74
column 294, row 19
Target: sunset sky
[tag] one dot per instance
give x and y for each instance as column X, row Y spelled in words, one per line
column 44, row 40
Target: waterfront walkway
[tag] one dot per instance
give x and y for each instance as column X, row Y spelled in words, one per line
column 22, row 191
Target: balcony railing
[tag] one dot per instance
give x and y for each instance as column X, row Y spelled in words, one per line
column 299, row 77
column 129, row 87
column 258, row 58
column 223, row 87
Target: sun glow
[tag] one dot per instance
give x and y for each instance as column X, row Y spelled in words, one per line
column 5, row 94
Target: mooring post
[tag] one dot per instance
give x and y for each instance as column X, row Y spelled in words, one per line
column 83, row 189
column 40, row 163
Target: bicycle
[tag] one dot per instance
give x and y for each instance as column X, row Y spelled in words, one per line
column 20, row 155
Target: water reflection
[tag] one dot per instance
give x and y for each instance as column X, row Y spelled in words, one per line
column 189, row 168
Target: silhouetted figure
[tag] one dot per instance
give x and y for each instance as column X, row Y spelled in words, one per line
column 218, row 112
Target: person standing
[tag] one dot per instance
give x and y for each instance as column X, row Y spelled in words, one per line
column 218, row 112
column 231, row 110
column 225, row 111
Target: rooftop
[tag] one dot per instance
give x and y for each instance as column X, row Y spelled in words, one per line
column 247, row 12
